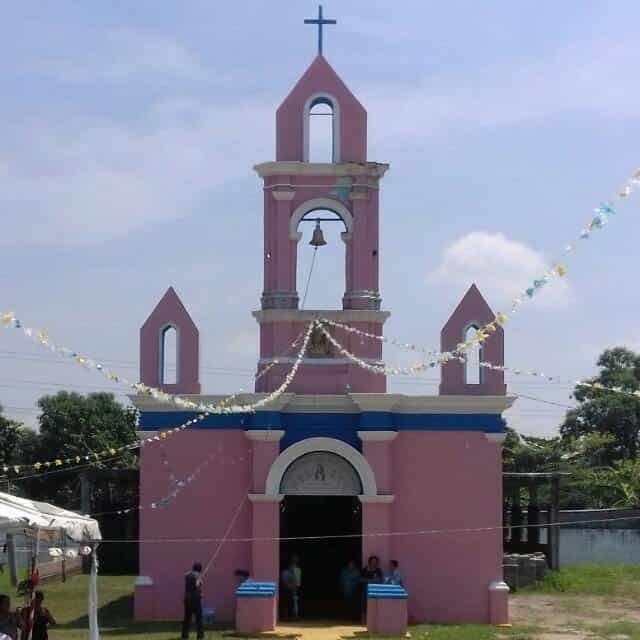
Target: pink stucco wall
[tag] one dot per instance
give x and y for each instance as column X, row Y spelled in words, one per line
column 387, row 617
column 265, row 551
column 379, row 456
column 321, row 376
column 376, row 518
column 203, row 509
column 321, row 379
column 439, row 480
column 256, row 614
column 447, row 480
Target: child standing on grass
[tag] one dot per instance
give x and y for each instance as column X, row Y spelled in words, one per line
column 42, row 619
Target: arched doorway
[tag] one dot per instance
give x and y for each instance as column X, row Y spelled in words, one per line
column 321, row 524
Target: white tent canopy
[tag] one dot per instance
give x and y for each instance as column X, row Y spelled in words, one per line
column 18, row 514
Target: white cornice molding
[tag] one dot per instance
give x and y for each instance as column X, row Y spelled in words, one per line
column 265, row 435
column 377, row 436
column 376, row 401
column 263, row 497
column 296, row 168
column 264, row 316
column 283, row 195
column 148, row 403
column 379, row 499
column 453, row 404
column 320, row 361
column 348, row 403
column 328, row 403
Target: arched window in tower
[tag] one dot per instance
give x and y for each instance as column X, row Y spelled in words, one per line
column 321, row 138
column 169, row 355
column 473, row 356
column 321, row 267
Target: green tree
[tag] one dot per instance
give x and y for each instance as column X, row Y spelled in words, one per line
column 528, row 454
column 614, row 416
column 72, row 425
column 17, row 442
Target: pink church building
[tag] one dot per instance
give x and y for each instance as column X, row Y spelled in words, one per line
column 335, row 469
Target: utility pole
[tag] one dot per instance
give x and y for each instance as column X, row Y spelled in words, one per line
column 85, row 508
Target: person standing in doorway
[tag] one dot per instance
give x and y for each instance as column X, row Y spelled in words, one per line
column 394, row 576
column 193, row 601
column 292, row 582
column 349, row 583
column 371, row 574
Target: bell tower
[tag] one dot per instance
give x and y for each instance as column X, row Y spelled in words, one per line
column 294, row 188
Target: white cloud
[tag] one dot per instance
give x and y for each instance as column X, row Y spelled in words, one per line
column 562, row 83
column 122, row 55
column 85, row 180
column 499, row 266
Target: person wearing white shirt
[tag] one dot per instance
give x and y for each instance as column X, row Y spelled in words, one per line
column 394, row 576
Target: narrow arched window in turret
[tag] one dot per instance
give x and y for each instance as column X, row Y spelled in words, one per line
column 472, row 370
column 169, row 356
column 321, row 116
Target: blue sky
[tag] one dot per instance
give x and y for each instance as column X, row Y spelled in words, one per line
column 129, row 132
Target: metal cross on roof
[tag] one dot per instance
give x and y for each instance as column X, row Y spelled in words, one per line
column 320, row 21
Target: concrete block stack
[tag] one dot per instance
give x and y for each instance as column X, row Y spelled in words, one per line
column 523, row 569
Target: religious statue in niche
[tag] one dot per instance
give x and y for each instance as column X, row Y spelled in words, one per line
column 319, row 345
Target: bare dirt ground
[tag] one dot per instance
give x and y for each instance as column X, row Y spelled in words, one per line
column 576, row 617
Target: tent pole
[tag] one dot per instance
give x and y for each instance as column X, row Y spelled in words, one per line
column 12, row 560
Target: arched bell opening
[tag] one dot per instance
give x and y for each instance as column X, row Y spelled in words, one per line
column 322, row 229
column 322, row 259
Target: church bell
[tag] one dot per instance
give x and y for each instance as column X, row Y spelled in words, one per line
column 317, row 240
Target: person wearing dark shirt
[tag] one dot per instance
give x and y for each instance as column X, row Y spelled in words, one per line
column 42, row 619
column 371, row 574
column 10, row 621
column 193, row 601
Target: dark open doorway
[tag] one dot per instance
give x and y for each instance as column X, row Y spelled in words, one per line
column 321, row 561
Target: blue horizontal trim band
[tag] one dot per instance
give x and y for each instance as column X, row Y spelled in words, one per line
column 390, row 591
column 339, row 425
column 256, row 589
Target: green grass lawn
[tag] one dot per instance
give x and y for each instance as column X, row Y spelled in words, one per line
column 593, row 579
column 4, row 582
column 68, row 603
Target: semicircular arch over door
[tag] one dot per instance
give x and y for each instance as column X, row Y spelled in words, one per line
column 341, row 450
column 320, row 473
